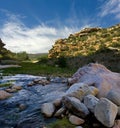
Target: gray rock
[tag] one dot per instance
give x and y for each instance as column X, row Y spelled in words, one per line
column 97, row 75
column 78, row 127
column 60, row 111
column 47, row 109
column 76, row 120
column 118, row 111
column 106, row 111
column 90, row 101
column 79, row 90
column 75, row 106
column 114, row 96
column 57, row 102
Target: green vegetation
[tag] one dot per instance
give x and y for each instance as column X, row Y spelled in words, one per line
column 39, row 69
column 86, row 42
column 67, row 55
column 5, row 84
column 61, row 123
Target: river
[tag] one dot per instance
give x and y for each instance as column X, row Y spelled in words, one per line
column 32, row 97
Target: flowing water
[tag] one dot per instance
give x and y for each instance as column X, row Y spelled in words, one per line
column 32, row 97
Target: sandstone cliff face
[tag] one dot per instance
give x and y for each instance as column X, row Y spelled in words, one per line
column 87, row 42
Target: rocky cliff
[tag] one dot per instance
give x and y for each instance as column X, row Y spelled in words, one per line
column 87, row 42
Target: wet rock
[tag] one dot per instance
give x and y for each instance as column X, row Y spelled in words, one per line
column 13, row 89
column 4, row 95
column 106, row 111
column 79, row 90
column 22, row 107
column 114, row 96
column 117, row 124
column 60, row 112
column 90, row 101
column 10, row 90
column 48, row 109
column 75, row 106
column 57, row 102
column 76, row 120
column 31, row 84
column 17, row 87
column 43, row 82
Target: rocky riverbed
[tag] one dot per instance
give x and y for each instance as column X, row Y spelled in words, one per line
column 27, row 93
column 92, row 100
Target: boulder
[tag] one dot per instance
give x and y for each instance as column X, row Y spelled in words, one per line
column 79, row 90
column 48, row 109
column 90, row 101
column 75, row 106
column 4, row 95
column 114, row 96
column 99, row 76
column 76, row 120
column 105, row 112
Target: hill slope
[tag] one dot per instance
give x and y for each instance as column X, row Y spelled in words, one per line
column 86, row 42
column 100, row 45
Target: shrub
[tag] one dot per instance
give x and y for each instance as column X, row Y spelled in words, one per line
column 62, row 62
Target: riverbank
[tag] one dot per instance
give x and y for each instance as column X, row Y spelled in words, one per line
column 37, row 69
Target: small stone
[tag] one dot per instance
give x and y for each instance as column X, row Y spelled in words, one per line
column 76, row 120
column 22, row 107
column 78, row 127
column 96, row 125
column 48, row 109
column 60, row 112
column 17, row 87
column 4, row 95
column 10, row 90
column 57, row 102
column 31, row 84
column 117, row 124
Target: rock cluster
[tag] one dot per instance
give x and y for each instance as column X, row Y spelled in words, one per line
column 83, row 99
column 77, row 109
column 4, row 94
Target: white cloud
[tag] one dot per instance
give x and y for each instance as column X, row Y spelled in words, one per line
column 39, row 39
column 110, row 7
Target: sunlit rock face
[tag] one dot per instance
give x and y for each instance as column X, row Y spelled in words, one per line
column 99, row 76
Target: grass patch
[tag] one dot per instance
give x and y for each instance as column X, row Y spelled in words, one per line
column 39, row 69
column 5, row 84
column 61, row 123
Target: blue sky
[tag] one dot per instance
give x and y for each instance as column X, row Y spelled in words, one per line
column 34, row 25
